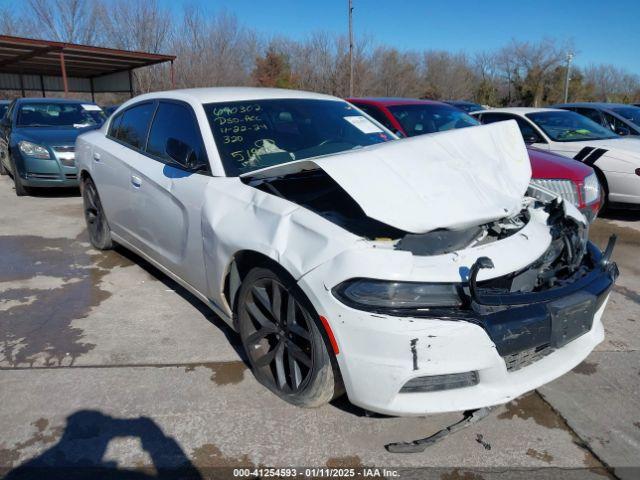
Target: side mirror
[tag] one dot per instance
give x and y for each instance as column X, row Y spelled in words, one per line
column 530, row 138
column 622, row 131
column 398, row 133
column 182, row 154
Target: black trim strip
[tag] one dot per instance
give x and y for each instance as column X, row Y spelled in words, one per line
column 583, row 153
column 591, row 159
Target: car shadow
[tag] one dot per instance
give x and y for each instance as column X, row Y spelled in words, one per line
column 80, row 452
column 57, row 192
column 631, row 215
column 341, row 402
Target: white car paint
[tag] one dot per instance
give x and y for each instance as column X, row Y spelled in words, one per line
column 619, row 163
column 193, row 226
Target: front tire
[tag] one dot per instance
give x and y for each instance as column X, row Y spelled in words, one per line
column 21, row 190
column 282, row 339
column 97, row 225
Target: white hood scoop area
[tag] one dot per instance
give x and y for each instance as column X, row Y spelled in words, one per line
column 448, row 180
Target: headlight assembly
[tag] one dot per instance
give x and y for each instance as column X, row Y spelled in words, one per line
column 591, row 189
column 33, row 150
column 377, row 295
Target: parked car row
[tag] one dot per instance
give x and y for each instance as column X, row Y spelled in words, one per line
column 615, row 159
column 418, row 275
column 575, row 182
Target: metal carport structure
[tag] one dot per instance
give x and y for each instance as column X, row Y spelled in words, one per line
column 41, row 65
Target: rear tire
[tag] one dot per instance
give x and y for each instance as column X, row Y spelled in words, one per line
column 3, row 169
column 282, row 339
column 97, row 225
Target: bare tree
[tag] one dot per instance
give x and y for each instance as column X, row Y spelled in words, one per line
column 63, row 20
column 213, row 51
column 216, row 49
column 448, row 76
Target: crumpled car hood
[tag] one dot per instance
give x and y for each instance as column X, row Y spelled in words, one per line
column 452, row 179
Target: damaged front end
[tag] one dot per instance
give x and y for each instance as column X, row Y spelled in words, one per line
column 437, row 237
column 527, row 313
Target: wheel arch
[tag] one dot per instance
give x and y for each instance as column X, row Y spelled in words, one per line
column 602, row 178
column 238, row 268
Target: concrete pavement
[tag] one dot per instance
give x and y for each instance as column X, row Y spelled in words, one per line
column 106, row 362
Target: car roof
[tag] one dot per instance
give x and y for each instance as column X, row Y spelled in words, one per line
column 52, row 100
column 603, row 105
column 232, row 94
column 520, row 110
column 460, row 102
column 394, row 101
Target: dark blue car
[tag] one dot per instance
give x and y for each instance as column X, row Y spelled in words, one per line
column 37, row 140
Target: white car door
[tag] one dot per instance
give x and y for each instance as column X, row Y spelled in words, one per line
column 167, row 198
column 111, row 160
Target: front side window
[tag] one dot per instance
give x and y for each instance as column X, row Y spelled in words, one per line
column 419, row 119
column 261, row 133
column 565, row 126
column 615, row 124
column 591, row 114
column 50, row 114
column 376, row 113
column 174, row 121
column 134, row 125
column 529, row 133
column 630, row 113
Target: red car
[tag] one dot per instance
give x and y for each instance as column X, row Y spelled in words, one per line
column 410, row 117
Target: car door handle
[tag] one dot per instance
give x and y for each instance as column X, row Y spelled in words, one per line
column 136, row 181
column 96, row 156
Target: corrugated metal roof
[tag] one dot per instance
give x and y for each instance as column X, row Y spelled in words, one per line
column 42, row 57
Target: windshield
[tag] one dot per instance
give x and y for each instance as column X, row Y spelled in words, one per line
column 423, row 118
column 568, row 126
column 630, row 113
column 78, row 115
column 262, row 133
column 467, row 107
column 3, row 109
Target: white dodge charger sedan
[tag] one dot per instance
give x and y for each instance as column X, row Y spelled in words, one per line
column 615, row 159
column 418, row 275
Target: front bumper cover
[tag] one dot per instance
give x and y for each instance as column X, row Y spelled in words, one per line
column 376, row 356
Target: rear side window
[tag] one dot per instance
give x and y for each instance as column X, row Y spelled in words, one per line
column 173, row 120
column 134, row 125
column 113, row 126
column 494, row 117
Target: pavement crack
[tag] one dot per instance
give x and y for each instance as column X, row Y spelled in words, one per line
column 189, row 365
column 578, row 440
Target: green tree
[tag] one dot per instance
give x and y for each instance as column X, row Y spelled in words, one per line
column 272, row 70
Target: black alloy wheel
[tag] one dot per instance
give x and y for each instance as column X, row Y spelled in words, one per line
column 282, row 341
column 97, row 225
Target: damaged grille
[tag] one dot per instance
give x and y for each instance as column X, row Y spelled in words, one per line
column 516, row 361
column 564, row 261
column 565, row 188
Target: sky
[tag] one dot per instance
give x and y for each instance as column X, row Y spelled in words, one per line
column 602, row 31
